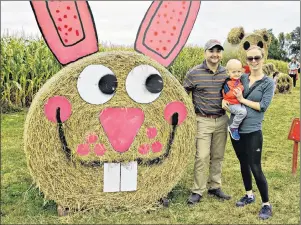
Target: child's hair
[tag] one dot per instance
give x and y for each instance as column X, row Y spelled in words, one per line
column 258, row 48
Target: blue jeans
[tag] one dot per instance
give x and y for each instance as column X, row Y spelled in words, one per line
column 240, row 112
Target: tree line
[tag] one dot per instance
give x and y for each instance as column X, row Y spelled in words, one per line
column 285, row 46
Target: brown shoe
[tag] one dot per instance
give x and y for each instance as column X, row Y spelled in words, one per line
column 219, row 194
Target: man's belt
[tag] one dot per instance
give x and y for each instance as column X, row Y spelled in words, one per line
column 209, row 116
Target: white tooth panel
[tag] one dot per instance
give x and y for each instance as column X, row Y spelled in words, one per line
column 111, row 179
column 129, row 173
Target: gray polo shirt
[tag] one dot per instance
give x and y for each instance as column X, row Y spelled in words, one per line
column 206, row 88
column 263, row 93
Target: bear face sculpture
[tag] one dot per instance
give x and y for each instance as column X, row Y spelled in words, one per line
column 238, row 42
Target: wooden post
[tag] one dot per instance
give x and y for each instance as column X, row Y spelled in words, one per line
column 294, row 135
column 295, row 158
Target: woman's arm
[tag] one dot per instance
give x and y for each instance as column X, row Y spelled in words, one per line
column 262, row 106
column 251, row 104
column 238, row 93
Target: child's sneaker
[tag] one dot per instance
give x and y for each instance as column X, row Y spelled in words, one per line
column 234, row 133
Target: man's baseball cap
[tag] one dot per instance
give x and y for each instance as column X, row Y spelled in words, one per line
column 213, row 43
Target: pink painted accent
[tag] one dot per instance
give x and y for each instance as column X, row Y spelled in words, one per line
column 151, row 132
column 177, row 32
column 83, row 149
column 143, row 149
column 77, row 44
column 100, row 149
column 92, row 138
column 57, row 102
column 157, row 147
column 121, row 126
column 174, row 107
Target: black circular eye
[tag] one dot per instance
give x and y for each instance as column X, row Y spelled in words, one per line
column 144, row 84
column 265, row 37
column 154, row 83
column 241, row 36
column 260, row 44
column 246, row 45
column 108, row 84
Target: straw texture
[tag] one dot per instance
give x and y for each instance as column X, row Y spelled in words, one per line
column 78, row 187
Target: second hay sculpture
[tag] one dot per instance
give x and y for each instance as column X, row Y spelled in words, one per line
column 238, row 42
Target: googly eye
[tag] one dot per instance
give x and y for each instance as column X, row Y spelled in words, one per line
column 144, row 84
column 96, row 84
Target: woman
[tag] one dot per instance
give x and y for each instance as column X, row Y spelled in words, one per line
column 293, row 67
column 258, row 94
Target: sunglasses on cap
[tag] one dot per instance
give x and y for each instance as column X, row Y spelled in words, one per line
column 256, row 58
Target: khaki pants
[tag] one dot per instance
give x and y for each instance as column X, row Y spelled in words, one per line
column 211, row 143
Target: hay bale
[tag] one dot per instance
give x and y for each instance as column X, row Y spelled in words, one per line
column 270, row 69
column 236, row 35
column 77, row 187
column 266, row 36
column 284, row 84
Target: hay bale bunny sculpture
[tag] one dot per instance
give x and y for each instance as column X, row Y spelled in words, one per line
column 113, row 129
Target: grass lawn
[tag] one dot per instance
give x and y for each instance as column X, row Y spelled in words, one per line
column 22, row 203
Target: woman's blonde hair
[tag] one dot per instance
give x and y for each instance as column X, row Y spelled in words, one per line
column 258, row 48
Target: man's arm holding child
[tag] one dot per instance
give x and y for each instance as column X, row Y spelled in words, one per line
column 225, row 91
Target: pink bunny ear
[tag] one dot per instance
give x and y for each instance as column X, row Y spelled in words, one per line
column 67, row 27
column 165, row 29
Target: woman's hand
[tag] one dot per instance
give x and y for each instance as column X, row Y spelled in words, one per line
column 225, row 105
column 238, row 94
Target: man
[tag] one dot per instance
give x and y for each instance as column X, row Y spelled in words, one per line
column 293, row 67
column 205, row 81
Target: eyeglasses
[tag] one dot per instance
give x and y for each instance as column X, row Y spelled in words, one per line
column 256, row 58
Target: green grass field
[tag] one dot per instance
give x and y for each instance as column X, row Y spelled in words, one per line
column 22, row 203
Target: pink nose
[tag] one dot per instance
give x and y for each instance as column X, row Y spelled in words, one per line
column 121, row 126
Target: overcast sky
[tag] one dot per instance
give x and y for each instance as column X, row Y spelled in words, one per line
column 117, row 22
